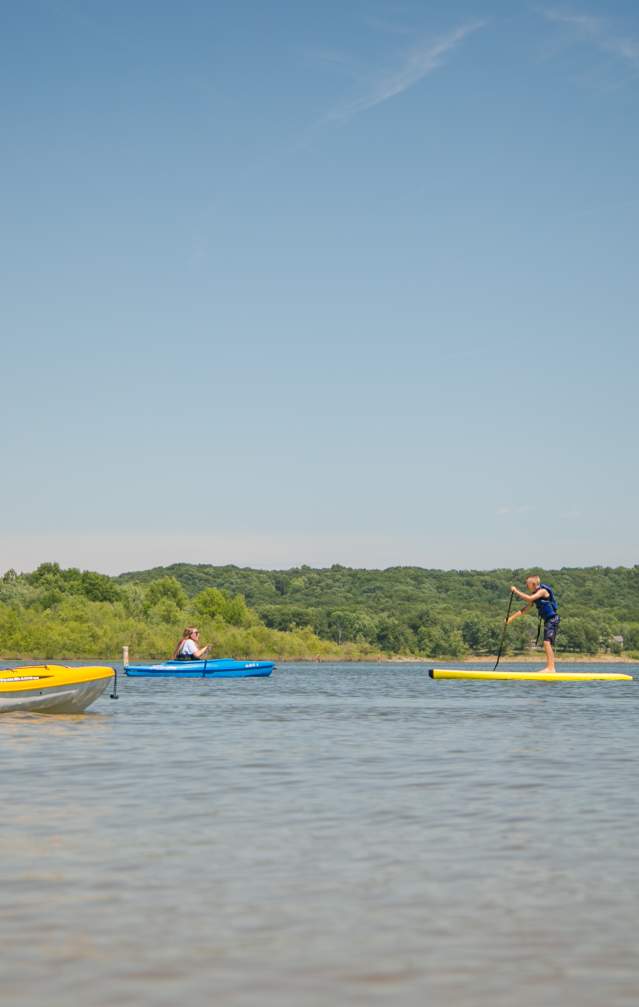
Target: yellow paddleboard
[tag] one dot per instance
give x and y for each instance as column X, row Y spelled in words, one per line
column 527, row 676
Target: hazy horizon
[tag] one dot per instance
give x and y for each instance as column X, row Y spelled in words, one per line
column 109, row 557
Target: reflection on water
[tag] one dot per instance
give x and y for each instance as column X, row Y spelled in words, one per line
column 14, row 726
column 354, row 834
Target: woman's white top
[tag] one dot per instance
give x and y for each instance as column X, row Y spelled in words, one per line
column 188, row 648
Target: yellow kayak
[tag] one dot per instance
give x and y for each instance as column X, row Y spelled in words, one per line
column 527, row 676
column 50, row 688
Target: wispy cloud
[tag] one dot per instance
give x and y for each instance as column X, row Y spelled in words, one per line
column 417, row 63
column 599, row 31
column 508, row 510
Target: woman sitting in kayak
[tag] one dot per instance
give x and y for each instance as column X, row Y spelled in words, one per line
column 188, row 649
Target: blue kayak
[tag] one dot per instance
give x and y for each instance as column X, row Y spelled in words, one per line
column 224, row 668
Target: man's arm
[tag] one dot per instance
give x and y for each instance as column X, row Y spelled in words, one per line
column 530, row 598
column 515, row 615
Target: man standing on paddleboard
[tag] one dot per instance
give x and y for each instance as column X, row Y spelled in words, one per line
column 541, row 595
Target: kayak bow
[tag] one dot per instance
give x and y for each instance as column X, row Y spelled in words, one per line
column 51, row 688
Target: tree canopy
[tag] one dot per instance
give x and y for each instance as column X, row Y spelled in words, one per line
column 308, row 613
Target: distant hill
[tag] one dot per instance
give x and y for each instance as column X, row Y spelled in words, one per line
column 415, row 610
column 337, row 613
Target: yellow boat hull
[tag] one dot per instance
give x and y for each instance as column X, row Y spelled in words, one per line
column 526, row 676
column 50, row 688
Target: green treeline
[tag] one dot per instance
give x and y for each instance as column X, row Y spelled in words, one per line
column 307, row 613
column 434, row 613
column 53, row 614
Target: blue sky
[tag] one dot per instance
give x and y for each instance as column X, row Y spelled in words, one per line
column 319, row 283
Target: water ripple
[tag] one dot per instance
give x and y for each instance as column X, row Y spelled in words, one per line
column 355, row 834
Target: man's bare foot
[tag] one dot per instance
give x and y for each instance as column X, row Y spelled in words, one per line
column 547, row 671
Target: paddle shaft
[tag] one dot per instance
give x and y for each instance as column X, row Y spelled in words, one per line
column 503, row 635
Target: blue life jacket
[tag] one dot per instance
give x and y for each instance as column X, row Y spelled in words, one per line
column 547, row 607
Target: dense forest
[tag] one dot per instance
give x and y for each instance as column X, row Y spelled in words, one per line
column 307, row 613
column 54, row 613
column 435, row 613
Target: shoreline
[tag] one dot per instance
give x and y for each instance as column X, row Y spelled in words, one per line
column 535, row 658
column 560, row 659
column 490, row 659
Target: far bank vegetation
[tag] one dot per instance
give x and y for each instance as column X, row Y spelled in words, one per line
column 307, row 614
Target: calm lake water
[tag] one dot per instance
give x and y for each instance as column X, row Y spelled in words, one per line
column 353, row 834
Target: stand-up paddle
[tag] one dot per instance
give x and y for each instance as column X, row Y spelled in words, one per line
column 503, row 635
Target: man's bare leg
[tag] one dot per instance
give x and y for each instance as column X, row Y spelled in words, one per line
column 550, row 657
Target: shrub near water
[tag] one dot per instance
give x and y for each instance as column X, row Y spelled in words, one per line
column 54, row 614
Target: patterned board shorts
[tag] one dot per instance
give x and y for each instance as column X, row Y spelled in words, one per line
column 550, row 628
